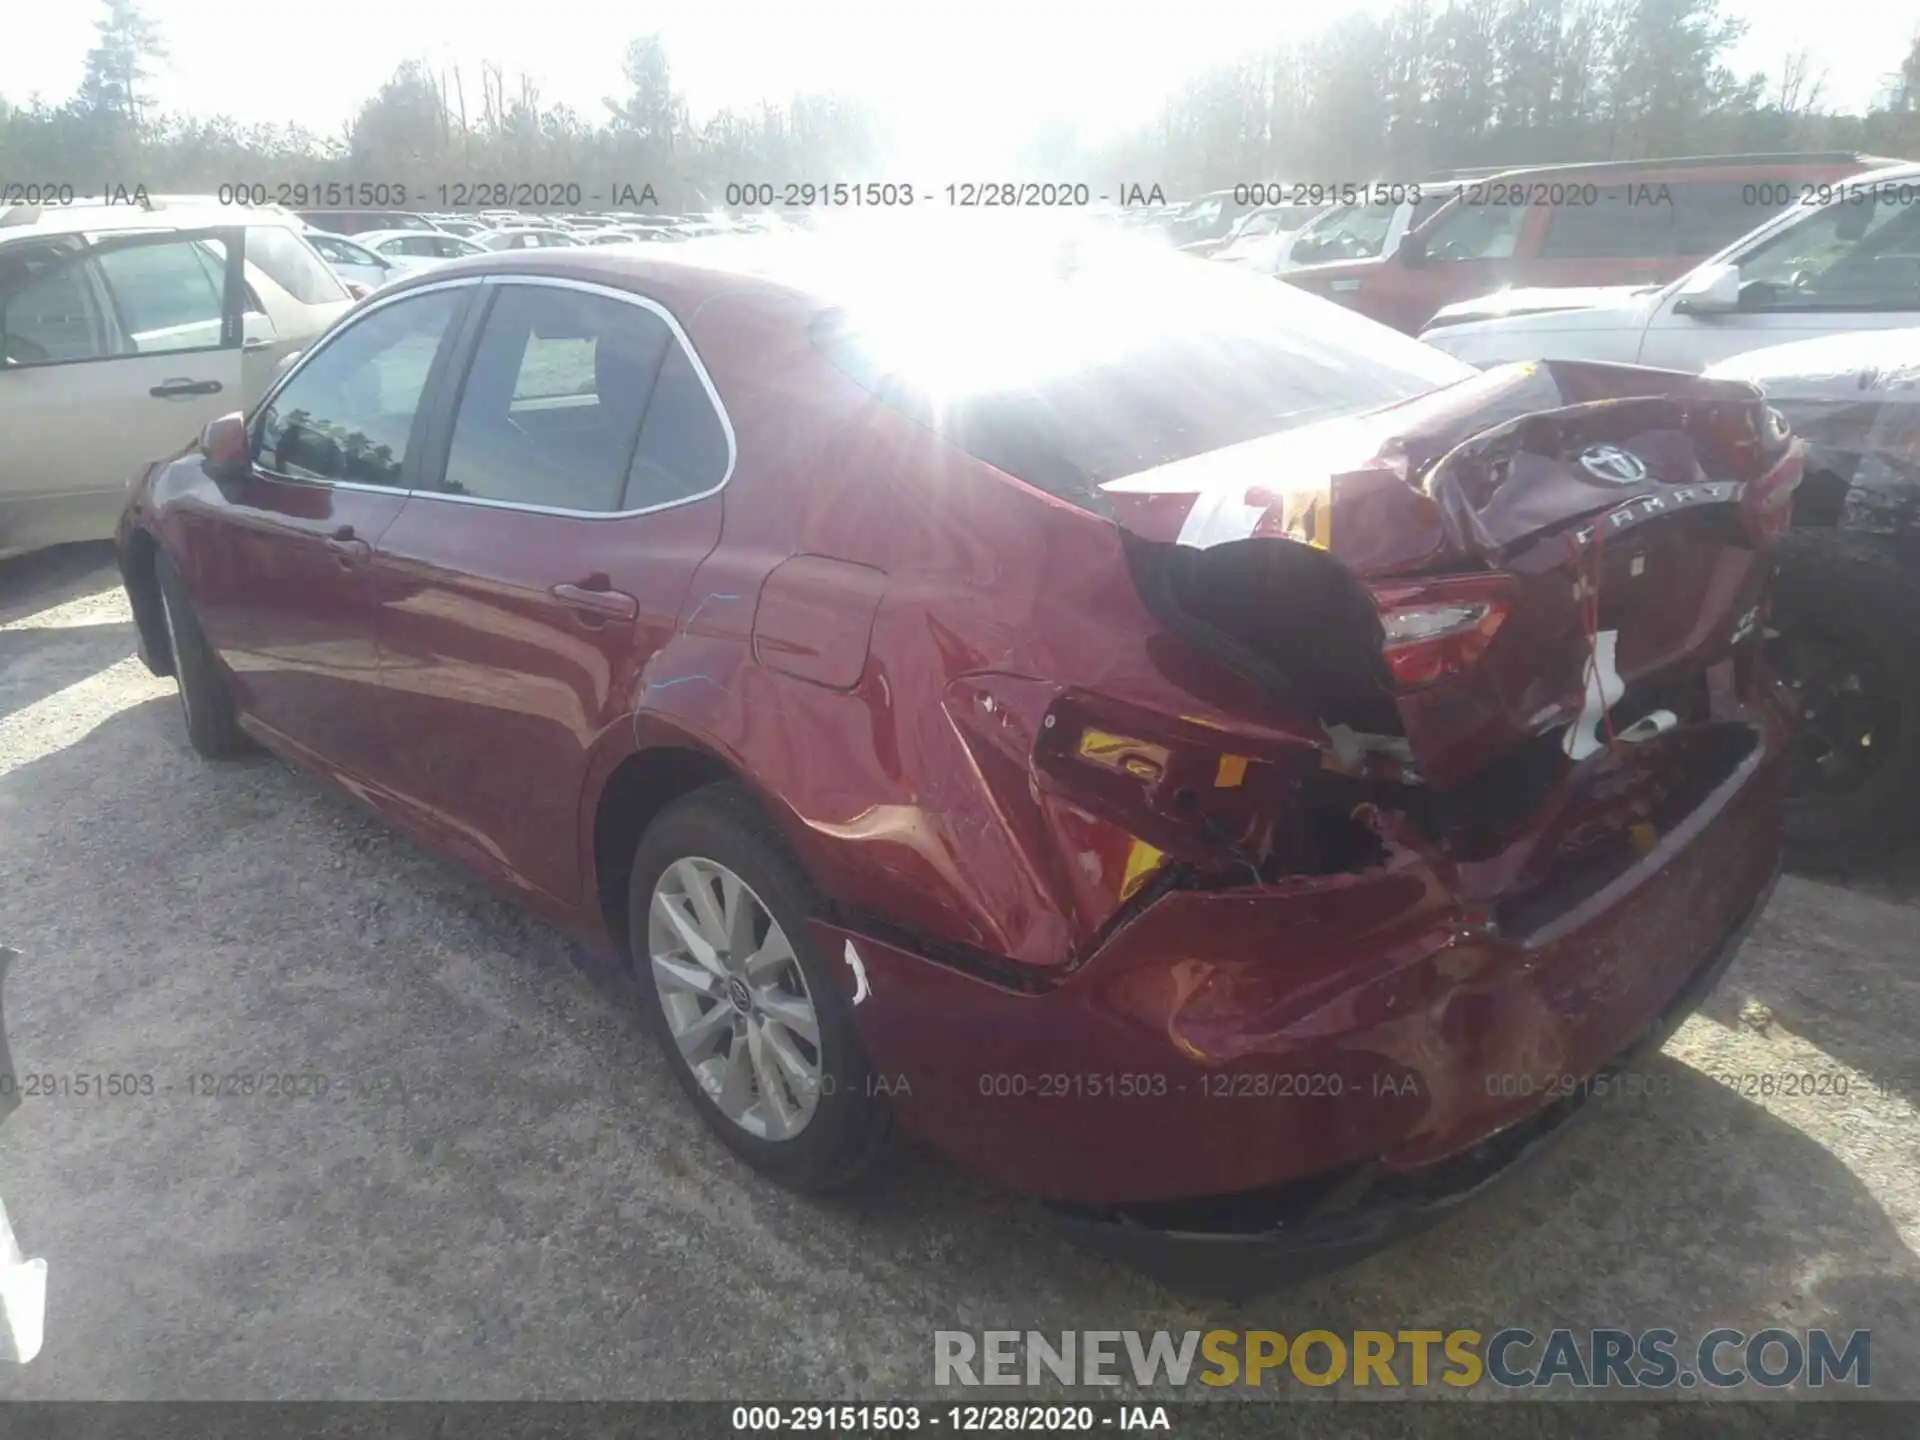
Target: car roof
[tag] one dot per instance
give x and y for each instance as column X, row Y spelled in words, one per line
column 193, row 213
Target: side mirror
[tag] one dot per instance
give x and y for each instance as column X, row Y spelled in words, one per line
column 1413, row 250
column 257, row 330
column 225, row 448
column 1711, row 290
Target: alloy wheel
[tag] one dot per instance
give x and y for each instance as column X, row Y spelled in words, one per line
column 734, row 997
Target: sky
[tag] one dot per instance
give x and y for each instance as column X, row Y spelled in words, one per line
column 1006, row 67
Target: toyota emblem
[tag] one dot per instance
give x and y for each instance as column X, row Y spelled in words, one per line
column 1613, row 465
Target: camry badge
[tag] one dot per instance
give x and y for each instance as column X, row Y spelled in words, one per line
column 1613, row 465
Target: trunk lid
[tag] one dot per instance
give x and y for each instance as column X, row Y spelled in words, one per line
column 1603, row 525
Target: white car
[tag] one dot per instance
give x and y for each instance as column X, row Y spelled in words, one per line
column 123, row 331
column 352, row 261
column 527, row 237
column 417, row 249
column 1850, row 264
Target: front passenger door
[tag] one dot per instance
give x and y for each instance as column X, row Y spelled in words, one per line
column 283, row 581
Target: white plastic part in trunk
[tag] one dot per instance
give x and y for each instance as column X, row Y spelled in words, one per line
column 1604, row 689
column 23, row 1298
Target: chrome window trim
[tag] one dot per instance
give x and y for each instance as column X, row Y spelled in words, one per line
column 378, row 303
column 611, row 292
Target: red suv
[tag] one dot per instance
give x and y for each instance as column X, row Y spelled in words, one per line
column 1638, row 222
column 1188, row 752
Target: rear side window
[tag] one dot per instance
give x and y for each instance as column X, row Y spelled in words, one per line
column 1711, row 215
column 1127, row 385
column 683, row 448
column 1626, row 222
column 550, row 413
column 284, row 258
column 167, row 296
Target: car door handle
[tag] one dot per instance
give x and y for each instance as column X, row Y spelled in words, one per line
column 614, row 604
column 179, row 389
column 255, row 344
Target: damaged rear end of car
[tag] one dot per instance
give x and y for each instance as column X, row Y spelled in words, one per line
column 1395, row 778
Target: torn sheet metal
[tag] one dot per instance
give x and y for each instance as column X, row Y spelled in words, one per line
column 1467, row 473
column 854, row 963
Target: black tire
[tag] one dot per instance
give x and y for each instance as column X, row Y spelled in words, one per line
column 846, row 1140
column 1842, row 604
column 206, row 700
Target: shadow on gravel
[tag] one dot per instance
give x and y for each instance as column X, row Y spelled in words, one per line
column 47, row 578
column 37, row 663
column 505, row 1194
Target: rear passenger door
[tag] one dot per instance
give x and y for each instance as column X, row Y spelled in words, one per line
column 575, row 490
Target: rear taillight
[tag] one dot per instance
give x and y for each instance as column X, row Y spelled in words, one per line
column 356, row 289
column 1440, row 629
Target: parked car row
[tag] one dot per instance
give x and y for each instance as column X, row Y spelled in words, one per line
column 369, row 248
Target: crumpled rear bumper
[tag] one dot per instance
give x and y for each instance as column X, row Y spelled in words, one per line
column 1227, row 1044
column 1322, row 1227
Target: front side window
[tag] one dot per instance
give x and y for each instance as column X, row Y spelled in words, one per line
column 1851, row 255
column 551, row 409
column 1476, row 232
column 347, row 415
column 1355, row 232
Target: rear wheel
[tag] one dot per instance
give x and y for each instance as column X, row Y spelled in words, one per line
column 205, row 698
column 1843, row 621
column 750, row 1015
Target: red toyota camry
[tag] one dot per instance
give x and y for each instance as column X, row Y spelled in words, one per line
column 1187, row 751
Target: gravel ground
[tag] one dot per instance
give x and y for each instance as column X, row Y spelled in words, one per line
column 503, row 1194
